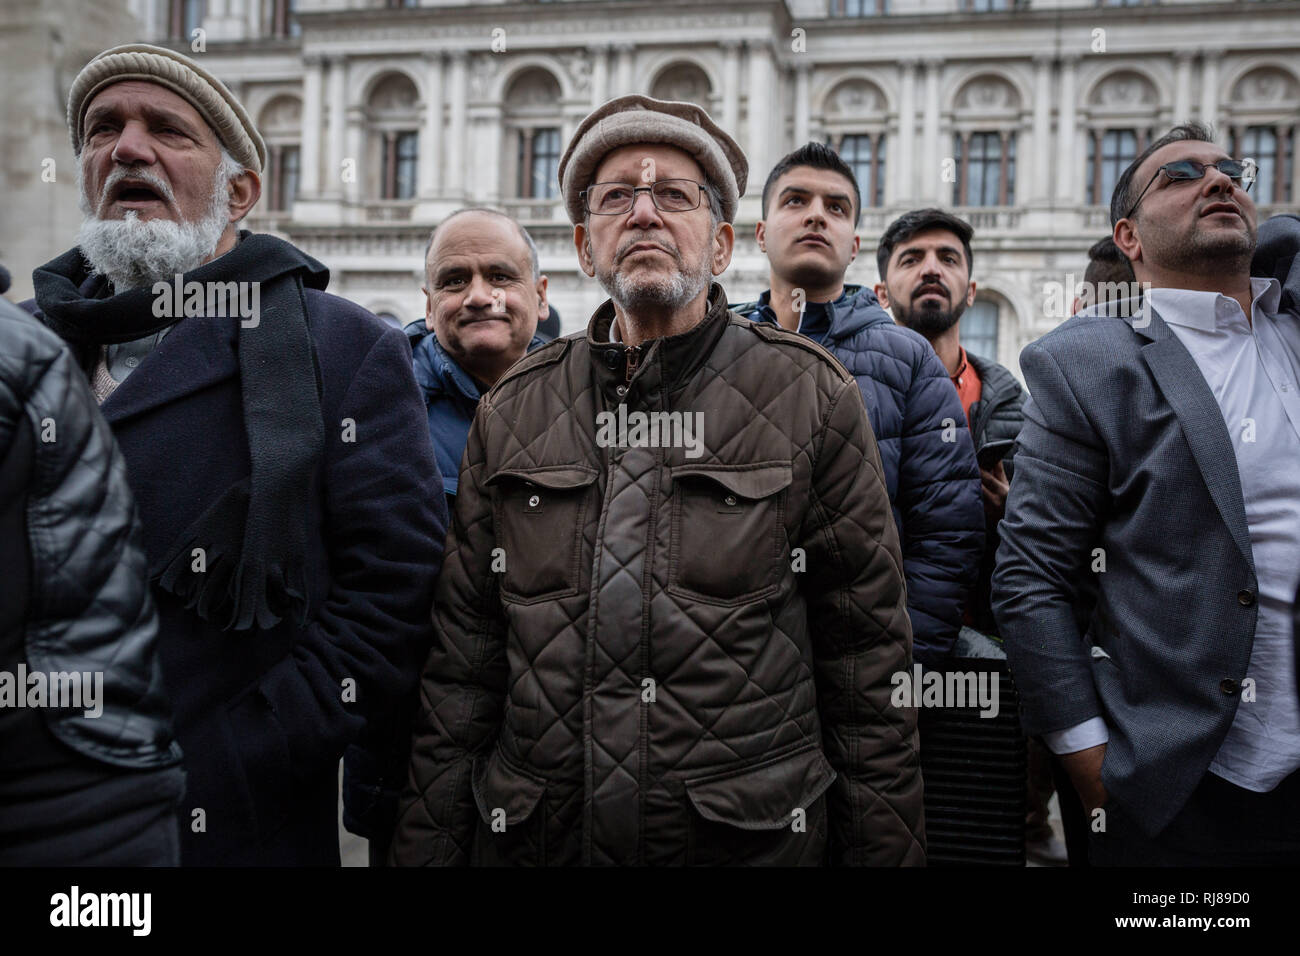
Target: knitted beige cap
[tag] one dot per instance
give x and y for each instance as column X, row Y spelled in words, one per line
column 178, row 73
column 634, row 118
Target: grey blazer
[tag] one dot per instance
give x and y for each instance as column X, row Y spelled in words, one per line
column 1124, row 449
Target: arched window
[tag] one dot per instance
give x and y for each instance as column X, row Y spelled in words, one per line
column 1118, row 117
column 865, row 155
column 684, row 82
column 1114, row 150
column 281, row 125
column 392, row 128
column 532, row 119
column 854, row 114
column 1263, row 114
column 986, row 120
column 986, row 164
column 979, row 328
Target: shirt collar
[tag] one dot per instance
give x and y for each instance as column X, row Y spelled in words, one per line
column 962, row 366
column 1206, row 311
column 817, row 316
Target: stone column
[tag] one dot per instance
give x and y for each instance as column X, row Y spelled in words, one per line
column 1041, row 143
column 311, row 125
column 801, row 104
column 355, row 138
column 904, row 170
column 599, row 73
column 731, row 87
column 1210, row 89
column 456, row 94
column 1183, row 86
column 431, row 135
column 1067, row 185
column 760, row 111
column 333, row 183
column 623, row 82
column 931, row 163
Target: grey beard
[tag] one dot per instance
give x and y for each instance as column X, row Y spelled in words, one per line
column 133, row 254
column 661, row 295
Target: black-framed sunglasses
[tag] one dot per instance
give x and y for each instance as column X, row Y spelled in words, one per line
column 668, row 195
column 1240, row 171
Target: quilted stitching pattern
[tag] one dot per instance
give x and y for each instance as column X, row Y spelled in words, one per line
column 559, row 682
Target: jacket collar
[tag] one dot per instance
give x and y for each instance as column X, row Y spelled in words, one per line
column 667, row 362
column 855, row 309
column 437, row 373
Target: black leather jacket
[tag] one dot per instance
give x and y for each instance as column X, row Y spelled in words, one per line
column 78, row 597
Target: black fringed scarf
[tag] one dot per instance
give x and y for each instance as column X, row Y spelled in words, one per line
column 254, row 536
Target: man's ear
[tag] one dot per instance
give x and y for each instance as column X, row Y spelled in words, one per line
column 582, row 242
column 882, row 294
column 970, row 294
column 724, row 243
column 428, row 308
column 1127, row 239
column 245, row 190
column 760, row 235
column 857, row 244
column 543, row 307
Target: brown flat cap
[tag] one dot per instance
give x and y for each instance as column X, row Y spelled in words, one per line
column 634, row 118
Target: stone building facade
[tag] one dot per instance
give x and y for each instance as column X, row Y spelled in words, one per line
column 383, row 116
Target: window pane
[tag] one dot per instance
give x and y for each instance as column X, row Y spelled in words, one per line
column 289, row 177
column 546, row 160
column 1260, row 144
column 855, row 150
column 979, row 329
column 407, row 160
column 192, row 17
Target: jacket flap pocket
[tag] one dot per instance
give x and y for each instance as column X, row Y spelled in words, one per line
column 558, row 478
column 763, row 796
column 499, row 785
column 748, row 481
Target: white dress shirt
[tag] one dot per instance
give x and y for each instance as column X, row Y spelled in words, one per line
column 1253, row 370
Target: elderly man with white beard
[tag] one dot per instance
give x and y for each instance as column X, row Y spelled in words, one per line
column 292, row 509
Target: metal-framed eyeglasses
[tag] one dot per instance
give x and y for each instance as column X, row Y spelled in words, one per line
column 668, row 195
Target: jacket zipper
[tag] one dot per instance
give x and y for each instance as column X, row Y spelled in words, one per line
column 633, row 358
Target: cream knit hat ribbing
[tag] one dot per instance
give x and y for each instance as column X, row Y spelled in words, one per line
column 178, row 73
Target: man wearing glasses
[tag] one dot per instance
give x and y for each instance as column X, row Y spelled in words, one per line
column 673, row 600
column 1151, row 546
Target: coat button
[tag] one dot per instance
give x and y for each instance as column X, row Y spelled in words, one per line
column 622, row 390
column 1245, row 597
column 611, row 358
column 729, row 501
column 534, row 501
column 1229, row 686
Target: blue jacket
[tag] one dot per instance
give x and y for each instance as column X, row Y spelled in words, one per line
column 450, row 398
column 934, row 484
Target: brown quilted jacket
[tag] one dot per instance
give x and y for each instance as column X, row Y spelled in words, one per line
column 662, row 655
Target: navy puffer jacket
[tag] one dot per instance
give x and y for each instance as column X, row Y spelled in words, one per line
column 926, row 450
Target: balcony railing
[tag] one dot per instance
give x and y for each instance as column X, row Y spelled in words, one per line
column 535, row 210
column 388, row 210
column 990, row 217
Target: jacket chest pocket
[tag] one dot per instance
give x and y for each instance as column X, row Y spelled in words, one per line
column 728, row 530
column 540, row 516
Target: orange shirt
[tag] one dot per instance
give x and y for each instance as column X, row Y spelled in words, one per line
column 968, row 385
